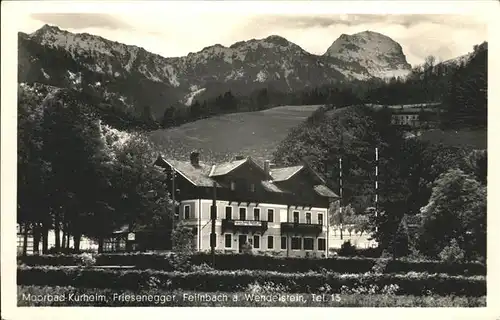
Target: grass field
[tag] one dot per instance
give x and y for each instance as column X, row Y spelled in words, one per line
column 254, row 134
column 69, row 296
column 470, row 138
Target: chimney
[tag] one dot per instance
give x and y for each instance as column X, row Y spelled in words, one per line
column 239, row 157
column 267, row 168
column 195, row 158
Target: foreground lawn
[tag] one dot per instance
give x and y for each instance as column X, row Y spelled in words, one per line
column 70, row 296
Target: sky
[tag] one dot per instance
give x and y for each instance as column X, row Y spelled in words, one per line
column 172, row 33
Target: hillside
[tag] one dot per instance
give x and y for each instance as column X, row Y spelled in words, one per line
column 464, row 138
column 255, row 134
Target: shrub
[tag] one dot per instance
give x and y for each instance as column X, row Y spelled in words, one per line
column 347, row 249
column 231, row 281
column 202, row 267
column 182, row 240
column 87, row 259
column 266, row 288
column 452, row 253
column 246, row 248
column 169, row 262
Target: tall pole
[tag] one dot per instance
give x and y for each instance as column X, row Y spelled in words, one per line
column 340, row 200
column 174, row 206
column 173, row 189
column 213, row 216
column 376, row 186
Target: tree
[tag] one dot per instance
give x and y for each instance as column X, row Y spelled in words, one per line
column 262, row 99
column 74, row 150
column 32, row 170
column 183, row 246
column 388, row 230
column 340, row 217
column 136, row 190
column 195, row 111
column 168, row 117
column 456, row 210
column 476, row 163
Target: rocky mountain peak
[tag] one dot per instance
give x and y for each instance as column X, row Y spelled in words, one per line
column 379, row 54
column 277, row 40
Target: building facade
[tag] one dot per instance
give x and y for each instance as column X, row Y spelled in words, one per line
column 415, row 115
column 276, row 211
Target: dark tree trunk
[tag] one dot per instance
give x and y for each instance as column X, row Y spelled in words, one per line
column 57, row 230
column 25, row 239
column 45, row 238
column 63, row 243
column 68, row 236
column 76, row 241
column 100, row 249
column 36, row 239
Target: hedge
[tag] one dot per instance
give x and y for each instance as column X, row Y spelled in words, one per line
column 159, row 261
column 231, row 281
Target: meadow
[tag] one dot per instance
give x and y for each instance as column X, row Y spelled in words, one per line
column 219, row 138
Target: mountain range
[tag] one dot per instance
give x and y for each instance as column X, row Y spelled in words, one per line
column 134, row 79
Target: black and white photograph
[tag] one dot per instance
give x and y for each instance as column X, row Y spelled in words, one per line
column 248, row 158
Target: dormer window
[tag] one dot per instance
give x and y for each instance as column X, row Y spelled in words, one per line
column 233, row 185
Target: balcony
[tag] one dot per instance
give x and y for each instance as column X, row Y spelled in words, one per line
column 243, row 225
column 301, row 228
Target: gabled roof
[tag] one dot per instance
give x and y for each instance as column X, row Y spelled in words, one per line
column 271, row 187
column 282, row 174
column 197, row 175
column 285, row 173
column 324, row 191
column 225, row 168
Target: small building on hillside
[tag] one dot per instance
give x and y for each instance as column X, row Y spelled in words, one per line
column 279, row 211
column 414, row 115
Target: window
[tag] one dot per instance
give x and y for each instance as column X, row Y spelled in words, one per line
column 270, row 242
column 229, row 213
column 283, row 243
column 270, row 215
column 243, row 213
column 308, row 217
column 256, row 242
column 308, row 243
column 233, row 185
column 187, row 211
column 228, row 240
column 296, row 217
column 296, row 243
column 252, row 187
column 321, row 244
column 256, row 214
column 320, row 218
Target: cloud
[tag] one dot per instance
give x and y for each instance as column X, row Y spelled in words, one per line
column 325, row 21
column 81, row 20
column 443, row 35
